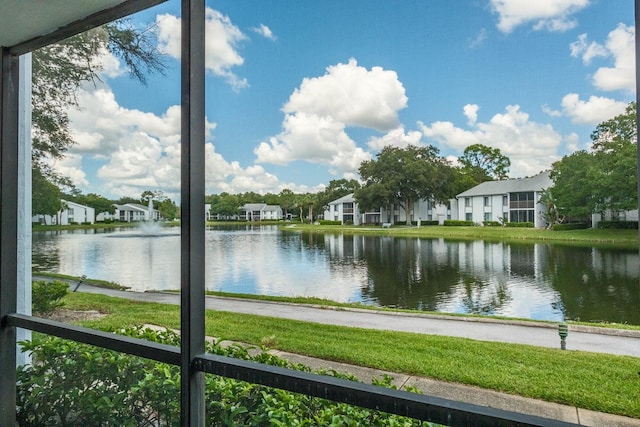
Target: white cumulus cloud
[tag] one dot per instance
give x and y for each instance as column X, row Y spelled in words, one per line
column 222, row 40
column 620, row 45
column 140, row 151
column 264, row 31
column 352, row 95
column 319, row 112
column 530, row 146
column 593, row 111
column 550, row 15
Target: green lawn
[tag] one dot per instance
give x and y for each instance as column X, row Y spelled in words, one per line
column 622, row 238
column 598, row 382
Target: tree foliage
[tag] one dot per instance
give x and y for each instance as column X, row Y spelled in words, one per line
column 604, row 178
column 484, row 163
column 46, row 198
column 60, row 70
column 402, row 176
column 337, row 188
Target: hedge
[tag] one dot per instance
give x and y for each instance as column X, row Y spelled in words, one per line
column 70, row 383
column 491, row 224
column 570, row 226
column 619, row 225
column 458, row 223
column 329, row 222
column 430, row 222
column 519, row 224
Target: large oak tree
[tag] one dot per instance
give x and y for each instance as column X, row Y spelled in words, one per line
column 401, row 176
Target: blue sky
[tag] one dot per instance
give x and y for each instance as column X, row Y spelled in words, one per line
column 300, row 92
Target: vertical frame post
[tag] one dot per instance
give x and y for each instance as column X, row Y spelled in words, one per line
column 9, row 104
column 192, row 175
column 637, row 19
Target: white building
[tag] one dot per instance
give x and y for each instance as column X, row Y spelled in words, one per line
column 345, row 209
column 260, row 212
column 509, row 200
column 71, row 213
column 132, row 212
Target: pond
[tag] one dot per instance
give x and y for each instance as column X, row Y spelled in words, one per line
column 528, row 280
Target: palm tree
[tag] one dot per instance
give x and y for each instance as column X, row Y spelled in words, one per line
column 551, row 214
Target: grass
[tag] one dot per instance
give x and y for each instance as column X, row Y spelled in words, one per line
column 600, row 237
column 599, row 382
column 75, row 279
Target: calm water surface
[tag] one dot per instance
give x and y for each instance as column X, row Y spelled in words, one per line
column 535, row 281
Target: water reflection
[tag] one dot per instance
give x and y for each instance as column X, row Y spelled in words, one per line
column 536, row 281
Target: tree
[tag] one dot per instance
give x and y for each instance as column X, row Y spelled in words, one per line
column 484, row 163
column 402, row 176
column 337, row 188
column 60, row 69
column 96, row 201
column 604, row 178
column 286, row 201
column 552, row 214
column 168, row 209
column 224, row 204
column 45, row 197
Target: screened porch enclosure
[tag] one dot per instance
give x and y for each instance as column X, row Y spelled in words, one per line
column 30, row 24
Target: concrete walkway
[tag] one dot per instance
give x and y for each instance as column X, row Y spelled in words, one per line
column 591, row 339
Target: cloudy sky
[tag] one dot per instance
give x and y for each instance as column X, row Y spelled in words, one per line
column 301, row 92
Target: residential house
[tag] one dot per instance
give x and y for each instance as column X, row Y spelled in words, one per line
column 133, row 212
column 345, row 209
column 509, row 200
column 260, row 212
column 71, row 213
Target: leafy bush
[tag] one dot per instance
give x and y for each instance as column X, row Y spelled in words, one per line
column 329, row 222
column 569, row 226
column 619, row 225
column 519, row 224
column 491, row 224
column 46, row 297
column 430, row 222
column 348, row 222
column 74, row 384
column 458, row 223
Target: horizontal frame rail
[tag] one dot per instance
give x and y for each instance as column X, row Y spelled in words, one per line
column 137, row 347
column 399, row 402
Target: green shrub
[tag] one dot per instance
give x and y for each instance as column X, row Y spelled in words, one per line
column 619, row 225
column 400, row 223
column 329, row 222
column 429, row 222
column 458, row 223
column 491, row 224
column 570, row 226
column 348, row 222
column 519, row 224
column 75, row 384
column 46, row 297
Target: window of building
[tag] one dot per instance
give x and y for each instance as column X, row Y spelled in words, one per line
column 468, row 216
column 505, row 200
column 487, row 201
column 487, row 216
column 467, row 202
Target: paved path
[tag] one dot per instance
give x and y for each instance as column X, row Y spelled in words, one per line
column 601, row 340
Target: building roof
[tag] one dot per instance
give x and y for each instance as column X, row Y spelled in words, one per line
column 344, row 199
column 132, row 207
column 70, row 203
column 272, row 208
column 534, row 183
column 254, row 206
